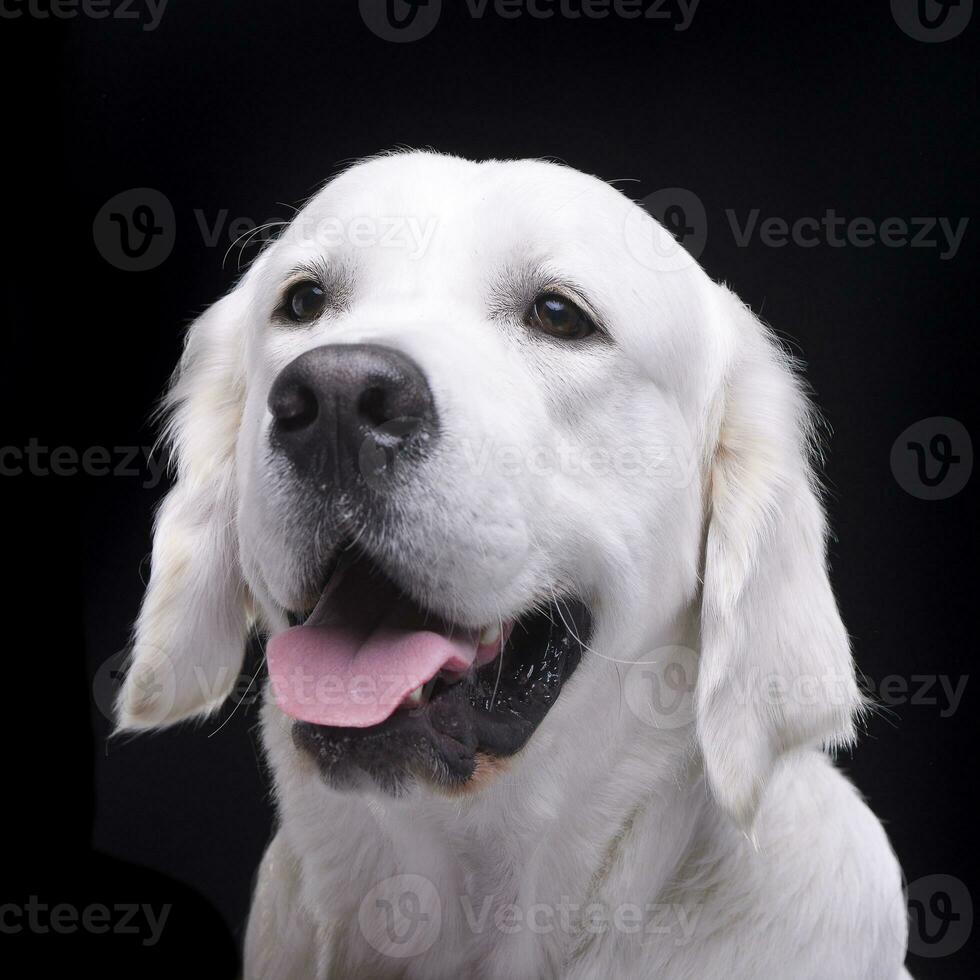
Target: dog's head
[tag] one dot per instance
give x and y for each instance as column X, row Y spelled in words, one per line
column 465, row 434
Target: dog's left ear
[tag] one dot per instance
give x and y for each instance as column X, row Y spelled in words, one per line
column 775, row 670
column 189, row 639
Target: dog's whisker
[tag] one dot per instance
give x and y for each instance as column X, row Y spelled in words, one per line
column 241, row 700
column 500, row 667
column 249, row 234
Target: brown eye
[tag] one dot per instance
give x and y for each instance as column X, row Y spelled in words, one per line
column 305, row 301
column 560, row 317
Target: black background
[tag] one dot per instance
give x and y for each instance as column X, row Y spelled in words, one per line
column 248, row 106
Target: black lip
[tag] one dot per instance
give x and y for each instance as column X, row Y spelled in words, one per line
column 493, row 713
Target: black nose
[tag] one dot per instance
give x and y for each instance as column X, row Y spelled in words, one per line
column 346, row 412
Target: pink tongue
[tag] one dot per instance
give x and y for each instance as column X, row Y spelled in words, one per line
column 354, row 677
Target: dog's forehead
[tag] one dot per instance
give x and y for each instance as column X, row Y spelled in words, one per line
column 493, row 204
column 421, row 230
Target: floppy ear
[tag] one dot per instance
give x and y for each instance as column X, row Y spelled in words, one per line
column 775, row 670
column 189, row 639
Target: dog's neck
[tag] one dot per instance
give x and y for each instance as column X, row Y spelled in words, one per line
column 530, row 863
column 543, row 840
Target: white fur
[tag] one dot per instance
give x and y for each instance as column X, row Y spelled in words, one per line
column 745, row 852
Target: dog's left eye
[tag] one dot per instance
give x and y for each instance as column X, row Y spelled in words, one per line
column 305, row 301
column 560, row 317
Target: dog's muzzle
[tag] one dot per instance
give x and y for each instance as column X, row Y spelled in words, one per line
column 343, row 413
column 379, row 685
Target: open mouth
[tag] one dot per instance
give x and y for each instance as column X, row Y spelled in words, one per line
column 384, row 690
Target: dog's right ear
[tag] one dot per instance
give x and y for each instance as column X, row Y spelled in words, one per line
column 189, row 639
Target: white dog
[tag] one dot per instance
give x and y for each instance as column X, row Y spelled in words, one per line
column 540, row 495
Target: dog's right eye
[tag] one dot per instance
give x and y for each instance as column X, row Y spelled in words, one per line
column 304, row 301
column 559, row 317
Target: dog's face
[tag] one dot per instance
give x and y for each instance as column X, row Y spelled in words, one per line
column 500, row 346
column 457, row 436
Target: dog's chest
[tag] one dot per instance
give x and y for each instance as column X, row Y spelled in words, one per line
column 468, row 912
